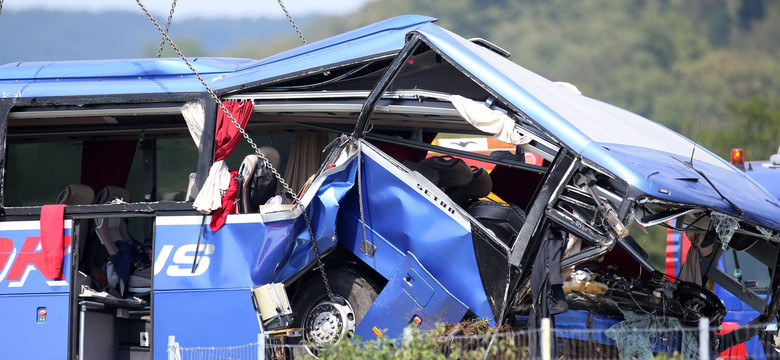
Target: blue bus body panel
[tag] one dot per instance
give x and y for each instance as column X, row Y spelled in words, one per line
column 765, row 174
column 647, row 155
column 25, row 289
column 155, row 76
column 27, row 338
column 400, row 220
column 204, row 318
column 412, row 291
column 243, row 253
column 212, row 306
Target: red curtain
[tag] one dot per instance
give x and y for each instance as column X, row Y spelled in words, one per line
column 106, row 162
column 227, row 135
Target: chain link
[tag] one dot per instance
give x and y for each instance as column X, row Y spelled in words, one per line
column 167, row 28
column 286, row 13
column 259, row 154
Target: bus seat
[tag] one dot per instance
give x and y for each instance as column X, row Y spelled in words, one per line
column 76, row 194
column 256, row 184
column 111, row 193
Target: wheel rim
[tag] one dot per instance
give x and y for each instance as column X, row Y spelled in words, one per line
column 327, row 322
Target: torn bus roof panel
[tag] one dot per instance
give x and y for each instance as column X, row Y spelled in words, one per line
column 600, row 132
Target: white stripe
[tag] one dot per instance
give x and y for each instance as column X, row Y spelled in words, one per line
column 20, row 283
column 57, row 282
column 8, row 264
column 29, row 225
column 231, row 219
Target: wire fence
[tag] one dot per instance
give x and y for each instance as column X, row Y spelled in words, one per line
column 558, row 343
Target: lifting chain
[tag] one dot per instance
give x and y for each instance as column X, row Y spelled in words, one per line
column 259, row 154
column 297, row 30
column 167, row 28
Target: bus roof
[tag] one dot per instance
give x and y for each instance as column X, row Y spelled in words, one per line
column 154, row 76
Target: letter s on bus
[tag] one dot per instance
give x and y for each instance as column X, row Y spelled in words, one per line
column 183, row 258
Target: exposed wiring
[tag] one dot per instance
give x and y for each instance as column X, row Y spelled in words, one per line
column 307, row 86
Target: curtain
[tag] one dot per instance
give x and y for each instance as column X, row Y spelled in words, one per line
column 106, row 163
column 226, row 137
column 305, row 159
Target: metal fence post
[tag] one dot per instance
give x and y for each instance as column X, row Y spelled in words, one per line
column 704, row 338
column 173, row 348
column 546, row 339
column 260, row 346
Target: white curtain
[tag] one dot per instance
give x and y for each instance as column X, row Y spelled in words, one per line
column 209, row 197
column 490, row 121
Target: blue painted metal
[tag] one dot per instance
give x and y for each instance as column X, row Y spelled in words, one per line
column 238, row 255
column 765, row 174
column 411, row 291
column 154, row 76
column 223, row 317
column 602, row 133
column 323, row 210
column 24, row 288
column 25, row 338
column 400, row 220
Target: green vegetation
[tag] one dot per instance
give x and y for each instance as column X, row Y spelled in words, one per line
column 673, row 61
column 419, row 345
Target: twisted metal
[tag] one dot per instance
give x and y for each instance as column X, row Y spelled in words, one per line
column 297, row 30
column 254, row 146
column 167, row 28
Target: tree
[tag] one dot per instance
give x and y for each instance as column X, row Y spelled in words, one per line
column 755, row 128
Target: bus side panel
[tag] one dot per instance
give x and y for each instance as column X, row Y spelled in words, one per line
column 25, row 336
column 204, row 318
column 212, row 305
column 33, row 298
column 244, row 252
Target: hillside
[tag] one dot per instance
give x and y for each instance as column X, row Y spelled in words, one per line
column 48, row 35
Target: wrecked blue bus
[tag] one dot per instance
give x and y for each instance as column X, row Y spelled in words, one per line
column 749, row 271
column 123, row 224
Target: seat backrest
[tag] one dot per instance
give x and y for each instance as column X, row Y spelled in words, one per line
column 111, row 193
column 76, row 194
column 256, row 183
column 110, row 230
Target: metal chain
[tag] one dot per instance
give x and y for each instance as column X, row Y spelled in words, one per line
column 1, row 6
column 286, row 13
column 167, row 28
column 259, row 154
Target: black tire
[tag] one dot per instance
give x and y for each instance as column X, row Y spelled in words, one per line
column 357, row 289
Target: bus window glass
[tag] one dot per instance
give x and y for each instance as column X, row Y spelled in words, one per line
column 37, row 172
column 744, row 268
column 176, row 159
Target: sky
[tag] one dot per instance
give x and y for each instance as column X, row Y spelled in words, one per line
column 188, row 9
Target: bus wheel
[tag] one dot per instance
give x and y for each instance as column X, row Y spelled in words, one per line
column 324, row 321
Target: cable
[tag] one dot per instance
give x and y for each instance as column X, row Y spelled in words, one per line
column 167, row 28
column 297, row 30
column 256, row 149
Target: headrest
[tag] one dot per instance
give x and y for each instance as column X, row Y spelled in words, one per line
column 272, row 155
column 76, row 194
column 110, row 193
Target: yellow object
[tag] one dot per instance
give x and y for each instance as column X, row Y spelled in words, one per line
column 377, row 332
column 585, row 287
